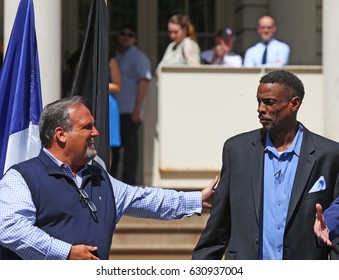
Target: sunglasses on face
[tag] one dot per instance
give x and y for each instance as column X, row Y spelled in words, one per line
column 126, row 34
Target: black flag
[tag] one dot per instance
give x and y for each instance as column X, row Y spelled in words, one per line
column 91, row 78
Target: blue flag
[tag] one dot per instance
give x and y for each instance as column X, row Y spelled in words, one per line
column 20, row 92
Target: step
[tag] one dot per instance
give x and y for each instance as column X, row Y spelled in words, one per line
column 137, row 238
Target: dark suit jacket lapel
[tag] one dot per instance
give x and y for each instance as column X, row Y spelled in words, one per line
column 305, row 166
column 257, row 170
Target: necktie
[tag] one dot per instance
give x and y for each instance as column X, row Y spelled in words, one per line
column 264, row 56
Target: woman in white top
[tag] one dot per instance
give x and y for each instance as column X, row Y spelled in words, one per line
column 183, row 50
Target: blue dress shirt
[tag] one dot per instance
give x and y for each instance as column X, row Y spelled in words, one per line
column 277, row 54
column 134, row 65
column 18, row 212
column 279, row 173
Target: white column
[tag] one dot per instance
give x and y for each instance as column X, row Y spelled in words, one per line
column 330, row 67
column 48, row 32
column 10, row 8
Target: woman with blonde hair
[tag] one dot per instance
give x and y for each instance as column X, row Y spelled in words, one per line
column 183, row 50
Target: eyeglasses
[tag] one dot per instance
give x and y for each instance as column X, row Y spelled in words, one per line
column 90, row 204
column 126, row 34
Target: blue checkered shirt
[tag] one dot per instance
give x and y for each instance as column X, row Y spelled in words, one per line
column 18, row 212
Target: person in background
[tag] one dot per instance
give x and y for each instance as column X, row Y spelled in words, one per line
column 57, row 206
column 271, row 179
column 114, row 113
column 269, row 51
column 135, row 69
column 222, row 53
column 184, row 49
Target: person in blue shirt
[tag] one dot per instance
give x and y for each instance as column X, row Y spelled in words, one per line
column 57, row 206
column 270, row 182
column 135, row 70
column 269, row 51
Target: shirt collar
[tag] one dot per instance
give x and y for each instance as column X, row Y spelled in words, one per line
column 267, row 42
column 294, row 147
column 61, row 164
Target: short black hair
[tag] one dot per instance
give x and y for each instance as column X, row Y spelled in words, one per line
column 287, row 79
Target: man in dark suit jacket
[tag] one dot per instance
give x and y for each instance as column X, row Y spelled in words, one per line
column 271, row 180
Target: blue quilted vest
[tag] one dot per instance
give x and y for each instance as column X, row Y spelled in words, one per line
column 62, row 213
